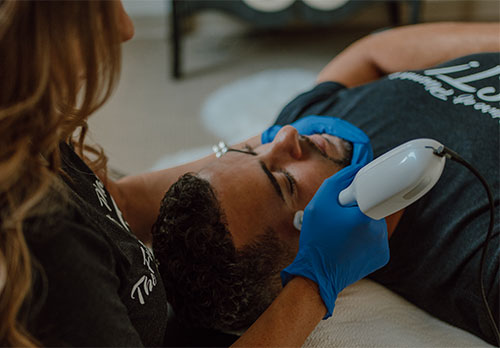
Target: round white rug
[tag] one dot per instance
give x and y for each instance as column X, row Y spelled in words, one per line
column 244, row 108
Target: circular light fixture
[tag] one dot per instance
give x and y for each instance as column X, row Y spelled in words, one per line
column 268, row 5
column 325, row 5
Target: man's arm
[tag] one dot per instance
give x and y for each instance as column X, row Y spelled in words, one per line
column 409, row 48
column 289, row 320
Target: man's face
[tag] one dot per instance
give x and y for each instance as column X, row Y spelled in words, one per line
column 264, row 188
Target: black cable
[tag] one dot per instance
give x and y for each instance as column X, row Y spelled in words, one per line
column 444, row 151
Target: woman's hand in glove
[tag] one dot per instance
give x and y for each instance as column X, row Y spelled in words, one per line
column 338, row 245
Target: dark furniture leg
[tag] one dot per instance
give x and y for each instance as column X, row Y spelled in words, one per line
column 395, row 14
column 175, row 32
column 414, row 11
column 393, row 8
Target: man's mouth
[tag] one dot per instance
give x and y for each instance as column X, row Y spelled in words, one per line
column 323, row 146
column 320, row 143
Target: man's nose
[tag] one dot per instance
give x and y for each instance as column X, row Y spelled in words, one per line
column 286, row 142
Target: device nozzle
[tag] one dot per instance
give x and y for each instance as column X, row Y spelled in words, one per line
column 297, row 219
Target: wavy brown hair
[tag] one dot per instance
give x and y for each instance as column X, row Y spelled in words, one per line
column 59, row 62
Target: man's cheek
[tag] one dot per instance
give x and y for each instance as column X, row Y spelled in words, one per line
column 312, row 186
column 285, row 230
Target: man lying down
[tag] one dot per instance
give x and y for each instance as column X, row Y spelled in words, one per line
column 225, row 233
column 228, row 230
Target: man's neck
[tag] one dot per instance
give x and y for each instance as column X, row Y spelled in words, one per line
column 392, row 221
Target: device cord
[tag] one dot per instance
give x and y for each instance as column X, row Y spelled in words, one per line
column 444, row 151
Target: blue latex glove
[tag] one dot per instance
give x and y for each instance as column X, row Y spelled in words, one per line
column 338, row 245
column 362, row 152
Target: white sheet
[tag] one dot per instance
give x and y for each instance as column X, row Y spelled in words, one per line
column 369, row 315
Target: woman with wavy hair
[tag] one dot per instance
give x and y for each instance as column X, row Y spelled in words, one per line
column 59, row 62
column 72, row 273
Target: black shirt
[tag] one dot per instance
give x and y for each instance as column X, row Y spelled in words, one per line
column 94, row 282
column 437, row 246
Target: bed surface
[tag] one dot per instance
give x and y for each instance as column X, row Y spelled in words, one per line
column 369, row 315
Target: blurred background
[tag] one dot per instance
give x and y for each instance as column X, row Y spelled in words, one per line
column 232, row 65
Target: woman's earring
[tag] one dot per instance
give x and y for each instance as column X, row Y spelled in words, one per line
column 220, row 149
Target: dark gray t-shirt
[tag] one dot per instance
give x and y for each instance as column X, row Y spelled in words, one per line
column 94, row 283
column 437, row 246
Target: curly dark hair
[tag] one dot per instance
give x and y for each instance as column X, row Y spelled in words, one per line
column 210, row 283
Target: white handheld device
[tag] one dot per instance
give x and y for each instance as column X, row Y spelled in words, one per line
column 396, row 179
column 392, row 181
